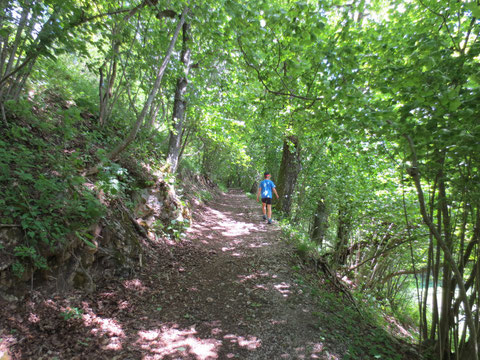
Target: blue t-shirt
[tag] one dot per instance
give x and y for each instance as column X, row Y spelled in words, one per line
column 266, row 187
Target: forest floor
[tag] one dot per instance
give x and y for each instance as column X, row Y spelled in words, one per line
column 231, row 290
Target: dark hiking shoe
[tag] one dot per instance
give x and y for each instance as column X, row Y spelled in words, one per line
column 264, row 217
column 269, row 221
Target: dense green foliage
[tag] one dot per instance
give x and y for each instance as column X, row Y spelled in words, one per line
column 382, row 97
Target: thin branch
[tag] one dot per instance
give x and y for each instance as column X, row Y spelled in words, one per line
column 470, row 27
column 82, row 21
column 377, row 255
column 131, row 12
column 404, row 272
column 132, row 103
column 275, row 92
column 444, row 22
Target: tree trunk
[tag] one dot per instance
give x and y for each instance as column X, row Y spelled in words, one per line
column 254, row 188
column 160, row 72
column 319, row 223
column 446, row 317
column 41, row 42
column 343, row 229
column 415, row 174
column 287, row 177
column 179, row 105
column 106, row 87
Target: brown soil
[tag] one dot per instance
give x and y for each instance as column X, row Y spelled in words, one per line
column 226, row 292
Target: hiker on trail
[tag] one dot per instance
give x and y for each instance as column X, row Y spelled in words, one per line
column 265, row 190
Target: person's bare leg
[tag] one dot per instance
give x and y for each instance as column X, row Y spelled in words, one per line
column 269, row 207
column 264, row 208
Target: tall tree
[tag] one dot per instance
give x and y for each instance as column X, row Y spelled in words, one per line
column 180, row 104
column 153, row 92
column 288, row 173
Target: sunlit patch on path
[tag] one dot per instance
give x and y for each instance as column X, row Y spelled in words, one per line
column 174, row 341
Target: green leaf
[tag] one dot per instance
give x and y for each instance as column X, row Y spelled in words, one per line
column 474, row 8
column 454, row 105
column 88, row 242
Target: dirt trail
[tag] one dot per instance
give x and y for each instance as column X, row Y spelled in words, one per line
column 244, row 295
column 226, row 292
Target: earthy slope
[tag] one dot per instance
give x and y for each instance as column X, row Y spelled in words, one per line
column 227, row 292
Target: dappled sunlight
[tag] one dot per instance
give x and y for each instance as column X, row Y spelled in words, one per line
column 33, row 318
column 5, row 345
column 107, row 327
column 283, row 288
column 318, row 347
column 259, row 245
column 260, row 286
column 250, row 343
column 134, row 284
column 254, row 276
column 234, row 251
column 314, row 351
column 235, row 228
column 174, row 341
column 218, row 214
column 226, row 227
column 278, row 322
column 228, row 299
column 103, row 326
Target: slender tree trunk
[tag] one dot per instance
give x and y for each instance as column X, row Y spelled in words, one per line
column 426, row 285
column 16, row 42
column 446, row 315
column 45, row 38
column 343, row 230
column 10, row 52
column 106, row 85
column 319, row 226
column 415, row 174
column 42, row 41
column 180, row 104
column 159, row 76
column 154, row 114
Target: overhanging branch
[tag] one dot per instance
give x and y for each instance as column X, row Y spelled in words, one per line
column 264, row 84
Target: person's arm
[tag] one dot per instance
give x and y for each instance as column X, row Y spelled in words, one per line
column 258, row 194
column 275, row 191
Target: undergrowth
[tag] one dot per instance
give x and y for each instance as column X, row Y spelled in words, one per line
column 362, row 327
column 41, row 189
column 49, row 139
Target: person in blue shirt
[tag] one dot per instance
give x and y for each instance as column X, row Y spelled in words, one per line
column 265, row 192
